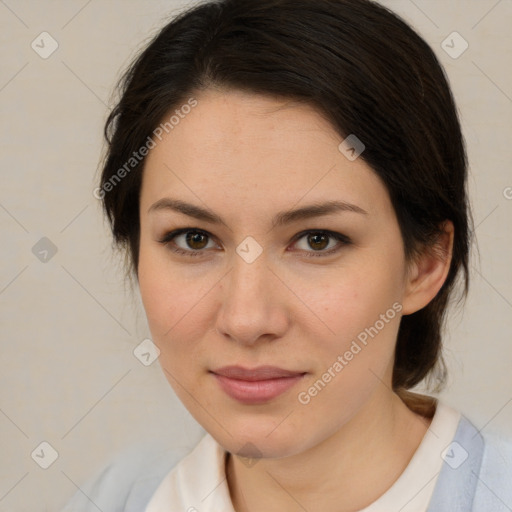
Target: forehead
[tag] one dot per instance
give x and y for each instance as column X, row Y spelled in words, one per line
column 251, row 150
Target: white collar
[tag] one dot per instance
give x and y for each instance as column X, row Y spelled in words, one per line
column 198, row 482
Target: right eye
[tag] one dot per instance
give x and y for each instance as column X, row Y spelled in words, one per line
column 193, row 241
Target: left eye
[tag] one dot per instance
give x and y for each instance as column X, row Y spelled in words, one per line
column 319, row 241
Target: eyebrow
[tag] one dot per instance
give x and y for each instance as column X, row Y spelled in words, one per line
column 282, row 218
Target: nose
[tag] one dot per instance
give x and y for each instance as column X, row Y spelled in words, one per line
column 253, row 303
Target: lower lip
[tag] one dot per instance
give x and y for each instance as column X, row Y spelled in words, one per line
column 256, row 392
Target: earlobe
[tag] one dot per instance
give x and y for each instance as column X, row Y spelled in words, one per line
column 428, row 271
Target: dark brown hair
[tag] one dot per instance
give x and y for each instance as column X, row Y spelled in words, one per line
column 358, row 64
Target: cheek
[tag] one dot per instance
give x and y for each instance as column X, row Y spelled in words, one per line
column 350, row 300
column 154, row 290
column 352, row 357
column 166, row 304
column 356, row 316
column 165, row 295
column 176, row 306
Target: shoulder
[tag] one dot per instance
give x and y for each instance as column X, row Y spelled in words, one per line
column 494, row 489
column 498, row 450
column 476, row 472
column 127, row 482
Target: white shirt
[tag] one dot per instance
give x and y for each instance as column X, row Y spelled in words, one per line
column 198, row 482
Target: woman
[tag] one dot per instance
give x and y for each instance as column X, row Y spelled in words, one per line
column 288, row 179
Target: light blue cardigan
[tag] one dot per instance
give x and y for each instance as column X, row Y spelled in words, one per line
column 483, row 483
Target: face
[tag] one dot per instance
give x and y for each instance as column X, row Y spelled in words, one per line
column 228, row 279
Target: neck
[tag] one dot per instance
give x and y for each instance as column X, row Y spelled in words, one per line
column 345, row 472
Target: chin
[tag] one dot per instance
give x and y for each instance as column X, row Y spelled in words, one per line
column 259, row 440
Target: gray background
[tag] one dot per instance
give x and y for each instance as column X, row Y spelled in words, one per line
column 69, row 324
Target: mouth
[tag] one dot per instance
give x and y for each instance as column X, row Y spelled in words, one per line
column 257, row 385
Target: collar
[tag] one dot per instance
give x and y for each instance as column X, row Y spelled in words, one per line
column 198, row 481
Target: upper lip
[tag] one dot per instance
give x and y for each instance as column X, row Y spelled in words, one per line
column 254, row 374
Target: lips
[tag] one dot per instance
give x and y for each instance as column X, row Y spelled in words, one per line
column 257, row 385
column 259, row 373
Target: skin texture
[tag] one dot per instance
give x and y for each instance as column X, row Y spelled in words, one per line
column 246, row 157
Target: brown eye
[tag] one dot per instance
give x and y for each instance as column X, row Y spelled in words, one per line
column 318, row 241
column 188, row 242
column 196, row 240
column 315, row 243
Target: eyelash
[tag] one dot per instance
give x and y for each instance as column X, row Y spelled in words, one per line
column 343, row 239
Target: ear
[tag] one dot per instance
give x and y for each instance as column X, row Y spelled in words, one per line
column 428, row 271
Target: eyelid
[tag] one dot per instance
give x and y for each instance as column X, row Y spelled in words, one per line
column 342, row 239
